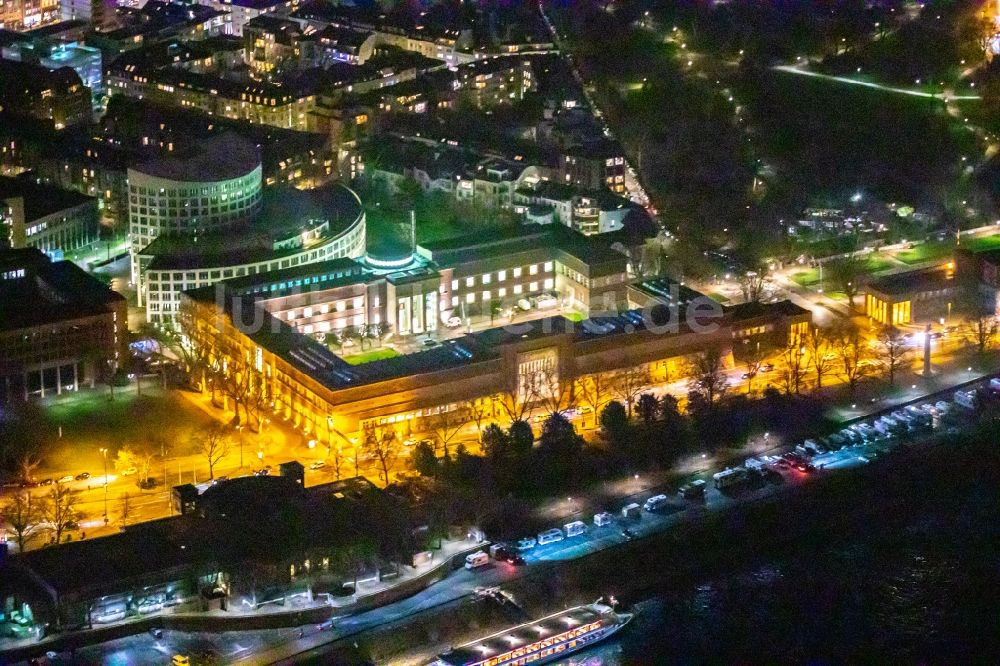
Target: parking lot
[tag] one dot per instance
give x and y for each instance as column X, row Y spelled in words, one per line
column 860, row 443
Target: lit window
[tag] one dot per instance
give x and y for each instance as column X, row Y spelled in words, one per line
column 470, row 298
column 501, row 292
column 359, row 302
column 517, row 289
column 533, row 286
column 549, row 283
column 533, row 269
column 307, row 312
column 486, row 295
column 548, row 266
column 323, row 309
column 454, row 285
column 454, row 301
column 501, row 276
column 341, row 306
column 470, row 282
column 517, row 272
column 486, row 278
column 359, row 320
column 291, row 315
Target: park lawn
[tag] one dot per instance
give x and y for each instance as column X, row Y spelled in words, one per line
column 574, row 316
column 806, row 278
column 717, row 297
column 90, row 421
column 925, row 252
column 980, row 244
column 371, row 355
column 876, row 264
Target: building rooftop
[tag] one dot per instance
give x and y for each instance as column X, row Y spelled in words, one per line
column 48, row 291
column 40, row 200
column 284, row 213
column 902, row 284
column 785, row 308
column 224, row 156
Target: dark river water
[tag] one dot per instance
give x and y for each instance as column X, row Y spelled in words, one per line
column 930, row 594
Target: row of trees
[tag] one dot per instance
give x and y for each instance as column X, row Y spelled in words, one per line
column 55, row 514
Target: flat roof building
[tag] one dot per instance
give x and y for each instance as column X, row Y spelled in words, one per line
column 51, row 219
column 60, row 328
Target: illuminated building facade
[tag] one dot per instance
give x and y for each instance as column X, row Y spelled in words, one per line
column 914, row 296
column 60, row 329
column 44, row 217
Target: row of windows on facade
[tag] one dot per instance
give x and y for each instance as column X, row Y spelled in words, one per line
column 487, row 278
column 213, row 190
column 191, row 280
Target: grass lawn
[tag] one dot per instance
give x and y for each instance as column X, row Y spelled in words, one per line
column 876, row 264
column 982, row 243
column 806, row 278
column 371, row 355
column 574, row 316
column 925, row 252
column 718, row 298
column 90, row 420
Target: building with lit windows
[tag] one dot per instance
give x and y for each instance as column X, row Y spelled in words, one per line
column 914, row 296
column 84, row 60
column 281, row 325
column 242, row 12
column 209, row 188
column 189, row 233
column 594, row 165
column 48, row 218
column 60, row 329
column 27, row 14
column 33, row 90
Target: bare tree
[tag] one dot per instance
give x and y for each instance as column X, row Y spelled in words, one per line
column 753, row 285
column 384, row 449
column 628, row 383
column 854, row 354
column 708, row 374
column 981, row 331
column 214, row 443
column 555, row 393
column 821, row 357
column 337, row 461
column 24, row 518
column 595, row 390
column 894, row 351
column 753, row 362
column 124, row 509
column 478, row 409
column 447, row 424
column 793, row 367
column 60, row 511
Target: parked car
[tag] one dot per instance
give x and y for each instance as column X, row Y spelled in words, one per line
column 65, row 479
column 503, row 554
column 156, row 633
column 46, row 482
column 476, row 560
column 550, row 536
column 628, row 534
column 83, row 476
column 655, row 503
column 317, row 464
column 527, row 543
column 129, row 471
column 453, row 322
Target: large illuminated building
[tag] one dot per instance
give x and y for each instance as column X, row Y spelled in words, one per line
column 48, row 218
column 202, row 215
column 279, row 325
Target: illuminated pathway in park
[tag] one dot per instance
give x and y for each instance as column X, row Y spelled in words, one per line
column 794, row 69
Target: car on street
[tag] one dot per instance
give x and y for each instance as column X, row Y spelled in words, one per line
column 453, row 322
column 428, row 343
column 261, row 472
column 502, row 554
column 317, row 464
column 409, row 442
column 628, row 534
column 46, row 482
column 65, row 479
column 156, row 633
column 83, row 476
column 767, row 367
column 527, row 543
column 129, row 471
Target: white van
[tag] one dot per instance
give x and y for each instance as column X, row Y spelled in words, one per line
column 476, row 560
column 576, row 528
column 655, row 503
column 550, row 536
column 602, row 519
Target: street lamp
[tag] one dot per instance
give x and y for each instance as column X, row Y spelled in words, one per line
column 104, row 453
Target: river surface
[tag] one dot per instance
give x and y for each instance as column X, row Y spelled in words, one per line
column 929, row 594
